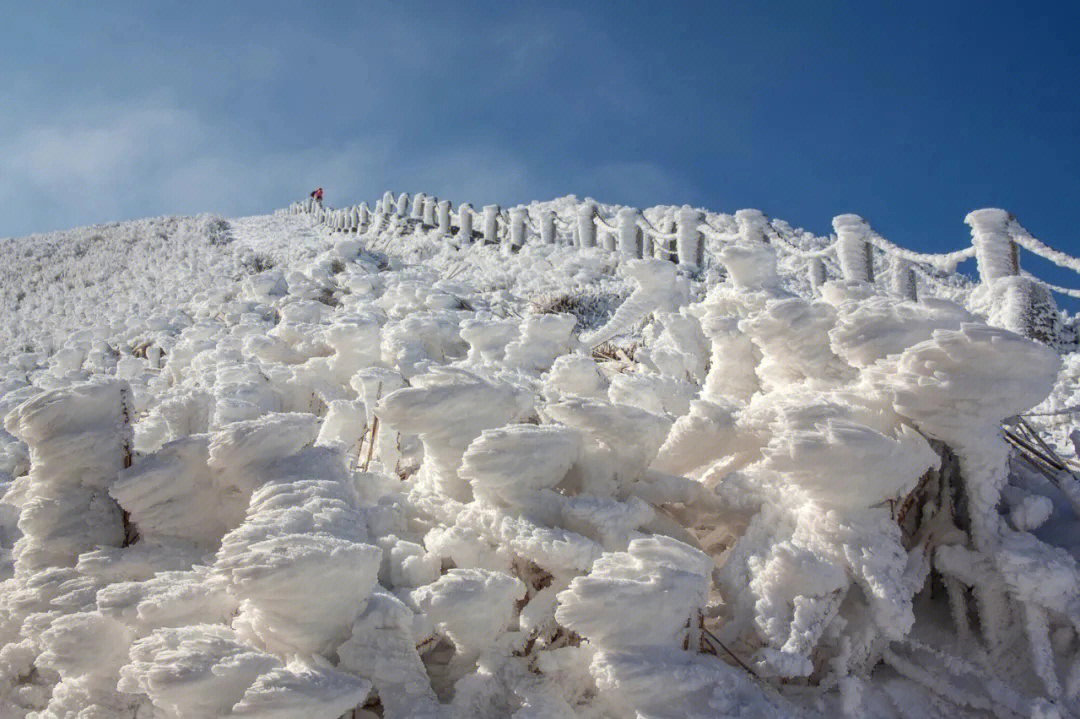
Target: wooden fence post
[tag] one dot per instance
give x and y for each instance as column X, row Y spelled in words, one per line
column 629, row 232
column 491, row 224
column 852, row 248
column 1023, row 304
column 586, row 224
column 817, row 273
column 903, row 279
column 429, row 211
column 418, row 206
column 689, row 242
column 444, row 218
column 364, row 217
column 465, row 218
column 516, row 237
column 648, row 245
column 995, row 252
column 751, row 225
column 606, row 239
column 547, row 227
column 378, row 221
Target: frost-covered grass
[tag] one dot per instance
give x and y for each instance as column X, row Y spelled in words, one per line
column 253, row 468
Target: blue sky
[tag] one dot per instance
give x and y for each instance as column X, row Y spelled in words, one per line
column 910, row 114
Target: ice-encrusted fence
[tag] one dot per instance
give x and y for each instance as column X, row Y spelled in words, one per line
column 1019, row 301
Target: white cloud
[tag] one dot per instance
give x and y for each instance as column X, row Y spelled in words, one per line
column 152, row 157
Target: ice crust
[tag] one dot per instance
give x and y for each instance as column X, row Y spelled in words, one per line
column 287, row 472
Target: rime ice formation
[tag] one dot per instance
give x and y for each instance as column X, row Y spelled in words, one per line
column 263, row 468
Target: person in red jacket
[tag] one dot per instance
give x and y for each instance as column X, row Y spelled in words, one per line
column 317, row 195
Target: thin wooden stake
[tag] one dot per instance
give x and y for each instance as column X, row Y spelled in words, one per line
column 371, row 443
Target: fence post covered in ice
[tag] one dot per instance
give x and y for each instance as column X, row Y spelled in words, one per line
column 586, row 224
column 629, row 233
column 491, row 224
column 648, row 245
column 403, row 205
column 517, row 228
column 689, row 242
column 751, row 225
column 995, row 251
column 903, row 279
column 667, row 227
column 547, row 227
column 418, row 206
column 444, row 217
column 818, row 276
column 364, row 217
column 1021, row 304
column 465, row 218
column 607, row 239
column 852, row 248
column 429, row 211
column 378, row 222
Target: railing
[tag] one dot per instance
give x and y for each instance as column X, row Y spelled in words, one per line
column 685, row 235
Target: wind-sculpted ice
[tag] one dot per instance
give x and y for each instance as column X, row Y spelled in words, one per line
column 659, row 287
column 447, row 409
column 403, row 475
column 957, row 387
column 657, row 587
column 79, row 441
column 509, row 465
column 208, row 671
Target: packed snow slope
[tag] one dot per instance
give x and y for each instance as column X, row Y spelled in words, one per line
column 257, row 468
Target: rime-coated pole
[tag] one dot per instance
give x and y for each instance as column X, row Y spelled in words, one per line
column 444, row 217
column 465, row 218
column 629, row 232
column 689, row 242
column 547, row 227
column 852, row 248
column 995, row 251
column 751, row 225
column 817, row 273
column 903, row 279
column 491, row 224
column 429, row 211
column 586, row 225
column 517, row 228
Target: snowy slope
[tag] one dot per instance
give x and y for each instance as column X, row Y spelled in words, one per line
column 254, row 467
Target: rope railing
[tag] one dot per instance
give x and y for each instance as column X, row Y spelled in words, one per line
column 1067, row 291
column 691, row 238
column 787, row 245
column 1023, row 238
column 945, row 262
column 647, row 226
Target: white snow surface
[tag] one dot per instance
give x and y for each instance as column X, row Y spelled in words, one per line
column 255, row 467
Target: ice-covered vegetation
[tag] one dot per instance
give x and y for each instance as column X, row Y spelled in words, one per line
column 261, row 468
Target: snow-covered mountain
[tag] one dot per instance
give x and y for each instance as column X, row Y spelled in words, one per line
column 263, row 467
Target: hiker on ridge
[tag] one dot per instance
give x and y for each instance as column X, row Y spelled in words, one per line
column 317, row 196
